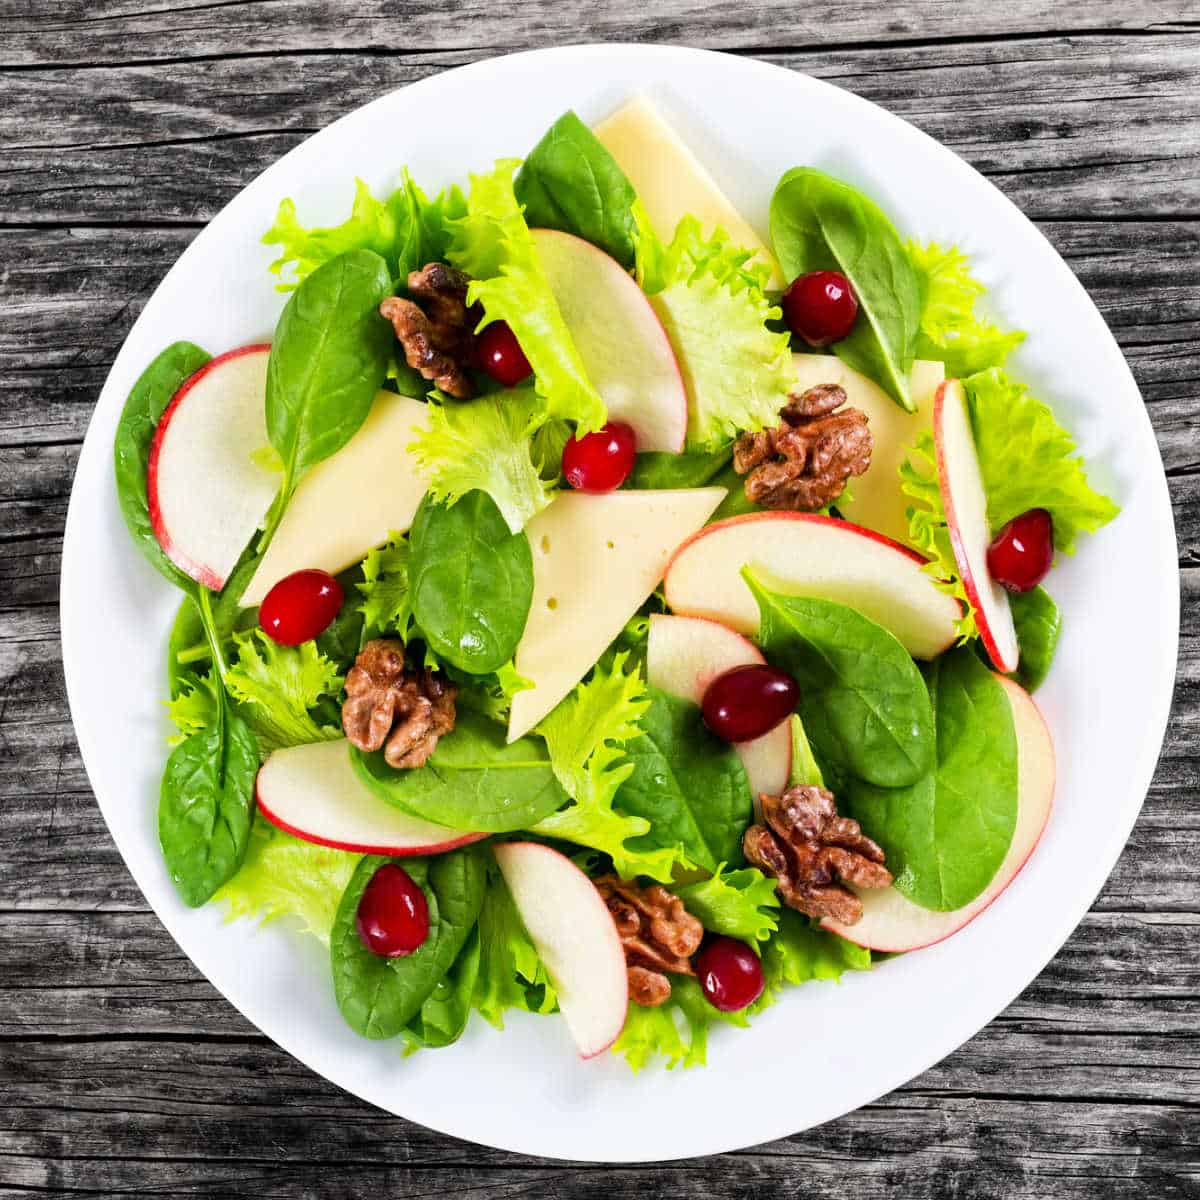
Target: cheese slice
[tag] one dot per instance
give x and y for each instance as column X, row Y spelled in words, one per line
column 875, row 499
column 596, row 559
column 670, row 180
column 349, row 503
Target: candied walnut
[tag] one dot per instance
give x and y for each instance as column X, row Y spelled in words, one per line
column 805, row 462
column 808, row 848
column 437, row 328
column 658, row 933
column 404, row 711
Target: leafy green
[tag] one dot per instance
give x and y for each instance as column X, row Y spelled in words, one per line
column 690, row 787
column 862, row 700
column 485, row 445
column 493, row 245
column 805, row 770
column 194, row 707
column 819, row 223
column 386, row 603
column 1038, row 622
column 946, row 835
column 148, row 398
column 712, row 304
column 472, row 582
column 801, row 952
column 742, row 904
column 489, row 695
column 473, row 780
column 950, row 331
column 571, row 182
column 379, row 996
column 442, row 1017
column 676, row 1031
column 656, row 470
column 340, row 640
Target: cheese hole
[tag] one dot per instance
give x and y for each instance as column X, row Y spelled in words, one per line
column 611, row 546
column 552, row 603
column 545, row 544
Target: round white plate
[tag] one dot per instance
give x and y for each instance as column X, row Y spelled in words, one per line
column 1107, row 699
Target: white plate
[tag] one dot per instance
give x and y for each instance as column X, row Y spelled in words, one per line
column 1107, row 699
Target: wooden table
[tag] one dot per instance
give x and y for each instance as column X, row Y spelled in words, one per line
column 121, row 1069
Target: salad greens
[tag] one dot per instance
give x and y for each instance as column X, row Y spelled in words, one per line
column 1038, row 623
column 742, row 903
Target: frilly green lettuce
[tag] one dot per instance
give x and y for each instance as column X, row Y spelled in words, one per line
column 741, row 904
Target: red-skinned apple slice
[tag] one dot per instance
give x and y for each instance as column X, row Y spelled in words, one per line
column 313, row 793
column 806, row 554
column 574, row 934
column 892, row 922
column 965, row 502
column 622, row 342
column 684, row 655
column 206, row 493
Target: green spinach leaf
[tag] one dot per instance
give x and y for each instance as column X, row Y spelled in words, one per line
column 690, row 786
column 571, row 182
column 862, row 700
column 379, row 996
column 443, row 1017
column 474, row 780
column 946, row 835
column 471, row 582
column 655, row 469
column 820, row 223
column 1038, row 623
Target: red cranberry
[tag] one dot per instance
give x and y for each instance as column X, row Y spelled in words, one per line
column 501, row 356
column 730, row 974
column 820, row 307
column 600, row 461
column 744, row 703
column 300, row 606
column 1021, row 553
column 393, row 914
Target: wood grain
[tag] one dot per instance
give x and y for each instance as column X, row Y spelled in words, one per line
column 124, row 128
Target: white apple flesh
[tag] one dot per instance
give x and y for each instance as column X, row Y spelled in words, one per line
column 313, row 793
column 684, row 655
column 892, row 922
column 575, row 937
column 622, row 342
column 806, row 554
column 206, row 493
column 965, row 502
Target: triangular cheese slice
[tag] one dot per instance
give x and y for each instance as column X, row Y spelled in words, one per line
column 596, row 559
column 349, row 503
column 670, row 180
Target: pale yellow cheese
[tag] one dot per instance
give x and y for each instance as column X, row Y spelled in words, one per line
column 670, row 180
column 596, row 559
column 349, row 503
column 875, row 499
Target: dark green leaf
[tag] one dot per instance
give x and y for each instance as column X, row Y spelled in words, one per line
column 1038, row 623
column 443, row 1017
column 736, row 502
column 340, row 642
column 655, row 469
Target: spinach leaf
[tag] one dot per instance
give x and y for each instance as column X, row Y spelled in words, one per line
column 472, row 781
column 690, row 786
column 443, row 1017
column 470, row 581
column 206, row 803
column 131, row 447
column 946, row 835
column 1038, row 623
column 571, row 182
column 342, row 639
column 328, row 359
column 656, row 469
column 736, row 502
column 379, row 996
column 820, row 223
column 862, row 700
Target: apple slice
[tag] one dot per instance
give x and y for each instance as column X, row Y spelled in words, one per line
column 622, row 342
column 965, row 502
column 575, row 937
column 892, row 922
column 684, row 655
column 806, row 554
column 206, row 493
column 313, row 793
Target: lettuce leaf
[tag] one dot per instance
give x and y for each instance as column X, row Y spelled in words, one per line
column 585, row 734
column 950, row 331
column 194, row 708
column 489, row 695
column 676, row 1031
column 511, row 974
column 712, row 304
column 485, row 444
column 801, row 952
column 492, row 243
column 741, row 904
column 386, row 605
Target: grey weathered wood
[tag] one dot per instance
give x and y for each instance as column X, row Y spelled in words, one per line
column 123, row 128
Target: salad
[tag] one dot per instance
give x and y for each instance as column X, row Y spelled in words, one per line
column 591, row 609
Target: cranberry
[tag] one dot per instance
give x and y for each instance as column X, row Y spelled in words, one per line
column 730, row 974
column 744, row 703
column 600, row 461
column 300, row 606
column 501, row 356
column 820, row 307
column 1021, row 553
column 393, row 914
